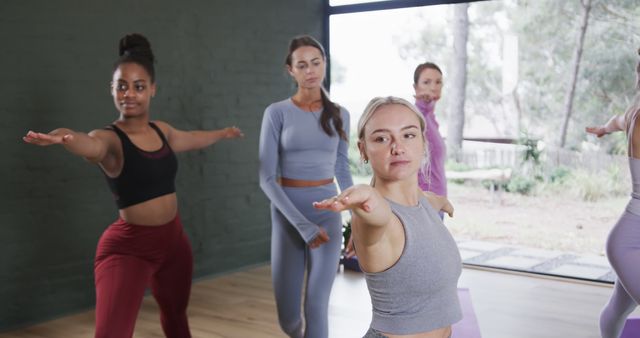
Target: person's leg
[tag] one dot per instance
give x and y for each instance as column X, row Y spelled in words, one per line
column 615, row 313
column 623, row 251
column 322, row 265
column 287, row 273
column 120, row 284
column 171, row 287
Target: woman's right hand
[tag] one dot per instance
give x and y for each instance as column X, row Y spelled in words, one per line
column 41, row 139
column 599, row 131
column 320, row 239
column 426, row 97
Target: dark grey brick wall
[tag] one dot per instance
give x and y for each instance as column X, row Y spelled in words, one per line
column 219, row 63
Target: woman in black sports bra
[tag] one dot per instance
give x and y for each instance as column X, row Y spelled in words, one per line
column 146, row 245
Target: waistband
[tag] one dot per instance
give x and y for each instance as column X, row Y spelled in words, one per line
column 634, row 206
column 122, row 222
column 293, row 183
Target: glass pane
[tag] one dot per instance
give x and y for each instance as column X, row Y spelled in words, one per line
column 522, row 201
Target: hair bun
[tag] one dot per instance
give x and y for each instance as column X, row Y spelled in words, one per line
column 135, row 45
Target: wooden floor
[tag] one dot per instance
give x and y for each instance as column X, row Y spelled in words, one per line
column 241, row 305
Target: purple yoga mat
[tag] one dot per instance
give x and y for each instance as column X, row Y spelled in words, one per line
column 631, row 328
column 468, row 326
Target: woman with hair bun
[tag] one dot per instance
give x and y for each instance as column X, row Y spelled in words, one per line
column 146, row 245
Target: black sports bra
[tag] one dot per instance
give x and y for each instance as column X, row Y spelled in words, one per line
column 145, row 174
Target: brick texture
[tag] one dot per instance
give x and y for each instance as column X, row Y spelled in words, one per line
column 219, row 63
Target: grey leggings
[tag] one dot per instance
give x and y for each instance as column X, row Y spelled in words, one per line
column 291, row 258
column 623, row 251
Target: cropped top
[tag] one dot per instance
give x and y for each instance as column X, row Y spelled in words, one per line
column 419, row 292
column 294, row 145
column 634, row 163
column 145, row 174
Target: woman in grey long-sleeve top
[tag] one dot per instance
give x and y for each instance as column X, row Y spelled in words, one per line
column 303, row 146
column 410, row 260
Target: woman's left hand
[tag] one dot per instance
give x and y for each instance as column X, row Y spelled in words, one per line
column 320, row 239
column 440, row 203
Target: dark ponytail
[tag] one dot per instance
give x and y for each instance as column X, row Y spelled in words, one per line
column 135, row 48
column 331, row 111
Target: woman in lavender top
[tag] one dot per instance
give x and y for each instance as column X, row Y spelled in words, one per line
column 427, row 83
column 623, row 242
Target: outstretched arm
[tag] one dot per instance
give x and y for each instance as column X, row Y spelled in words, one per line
column 93, row 146
column 370, row 210
column 181, row 140
column 615, row 123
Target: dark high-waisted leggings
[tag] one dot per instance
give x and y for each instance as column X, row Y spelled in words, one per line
column 129, row 258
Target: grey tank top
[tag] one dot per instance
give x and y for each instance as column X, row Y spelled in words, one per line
column 419, row 292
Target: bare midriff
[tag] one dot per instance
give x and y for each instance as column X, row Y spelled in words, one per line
column 289, row 182
column 157, row 211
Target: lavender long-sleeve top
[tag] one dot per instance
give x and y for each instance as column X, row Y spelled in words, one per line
column 294, row 145
column 433, row 179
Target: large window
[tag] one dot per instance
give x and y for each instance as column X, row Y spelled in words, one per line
column 529, row 193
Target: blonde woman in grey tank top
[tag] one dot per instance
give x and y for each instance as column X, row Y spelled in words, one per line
column 410, row 260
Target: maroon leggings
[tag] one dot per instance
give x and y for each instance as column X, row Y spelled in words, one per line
column 129, row 258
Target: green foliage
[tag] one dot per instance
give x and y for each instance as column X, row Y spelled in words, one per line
column 585, row 185
column 588, row 187
column 617, row 183
column 559, row 175
column 521, row 184
column 452, row 165
column 346, row 233
column 616, row 144
column 532, row 152
column 546, row 32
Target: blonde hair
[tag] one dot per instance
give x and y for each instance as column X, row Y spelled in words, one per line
column 381, row 101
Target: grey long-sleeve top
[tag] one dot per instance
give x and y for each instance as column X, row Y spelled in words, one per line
column 294, row 145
